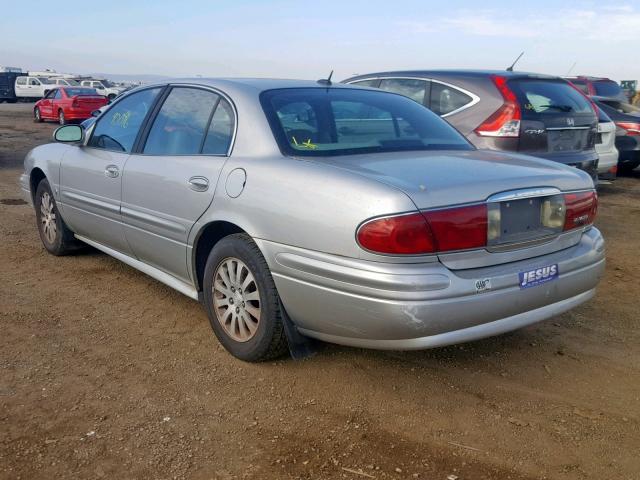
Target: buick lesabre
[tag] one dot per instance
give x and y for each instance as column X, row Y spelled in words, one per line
column 356, row 216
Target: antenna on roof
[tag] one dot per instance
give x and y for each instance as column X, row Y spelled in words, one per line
column 572, row 67
column 510, row 69
column 326, row 81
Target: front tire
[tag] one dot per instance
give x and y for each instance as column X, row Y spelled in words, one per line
column 242, row 302
column 37, row 116
column 56, row 237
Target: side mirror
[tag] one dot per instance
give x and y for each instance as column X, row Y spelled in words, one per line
column 69, row 134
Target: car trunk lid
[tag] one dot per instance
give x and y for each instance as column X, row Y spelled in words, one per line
column 516, row 186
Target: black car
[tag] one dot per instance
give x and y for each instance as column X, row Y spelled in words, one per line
column 7, row 83
column 627, row 119
column 538, row 115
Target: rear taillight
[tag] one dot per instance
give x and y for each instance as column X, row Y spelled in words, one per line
column 632, row 128
column 504, row 122
column 580, row 209
column 433, row 231
column 398, row 235
column 459, row 228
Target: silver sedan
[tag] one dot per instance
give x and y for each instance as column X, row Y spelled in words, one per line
column 296, row 209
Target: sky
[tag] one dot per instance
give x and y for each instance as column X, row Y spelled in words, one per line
column 304, row 39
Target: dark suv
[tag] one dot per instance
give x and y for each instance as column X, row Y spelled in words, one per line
column 602, row 87
column 499, row 110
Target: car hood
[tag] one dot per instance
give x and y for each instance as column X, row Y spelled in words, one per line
column 443, row 178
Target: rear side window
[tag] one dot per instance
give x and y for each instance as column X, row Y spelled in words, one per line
column 21, row 81
column 118, row 127
column 415, row 89
column 191, row 121
column 549, row 97
column 607, row 88
column 373, row 83
column 446, row 99
column 581, row 85
column 181, row 124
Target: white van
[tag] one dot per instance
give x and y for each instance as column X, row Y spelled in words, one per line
column 33, row 87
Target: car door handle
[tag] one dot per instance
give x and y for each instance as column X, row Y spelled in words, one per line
column 199, row 184
column 111, row 171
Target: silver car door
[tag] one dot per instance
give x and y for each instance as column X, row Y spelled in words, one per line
column 91, row 175
column 170, row 183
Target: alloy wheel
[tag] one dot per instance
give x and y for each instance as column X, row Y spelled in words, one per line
column 37, row 113
column 48, row 218
column 236, row 299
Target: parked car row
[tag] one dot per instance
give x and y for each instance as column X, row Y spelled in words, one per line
column 16, row 86
column 299, row 209
column 540, row 115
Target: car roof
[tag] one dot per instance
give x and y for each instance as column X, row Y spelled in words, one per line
column 454, row 72
column 590, row 78
column 252, row 84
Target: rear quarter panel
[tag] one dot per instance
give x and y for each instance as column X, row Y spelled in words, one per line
column 302, row 203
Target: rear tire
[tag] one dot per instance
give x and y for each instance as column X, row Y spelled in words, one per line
column 37, row 116
column 61, row 119
column 56, row 237
column 242, row 302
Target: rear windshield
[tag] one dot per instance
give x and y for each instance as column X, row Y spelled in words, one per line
column 607, row 88
column 341, row 121
column 72, row 92
column 549, row 97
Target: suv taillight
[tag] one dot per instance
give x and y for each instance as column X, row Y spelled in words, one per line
column 504, row 122
column 632, row 128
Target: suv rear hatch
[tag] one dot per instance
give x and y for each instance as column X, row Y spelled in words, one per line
column 558, row 122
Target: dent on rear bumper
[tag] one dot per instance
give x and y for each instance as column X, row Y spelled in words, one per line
column 423, row 305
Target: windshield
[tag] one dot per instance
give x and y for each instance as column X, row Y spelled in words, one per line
column 339, row 121
column 72, row 83
column 46, row 81
column 107, row 83
column 543, row 97
column 72, row 92
column 607, row 88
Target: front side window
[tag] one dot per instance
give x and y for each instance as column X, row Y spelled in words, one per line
column 415, row 89
column 118, row 127
column 50, row 94
column 34, row 81
column 57, row 95
column 445, row 99
column 341, row 121
column 182, row 123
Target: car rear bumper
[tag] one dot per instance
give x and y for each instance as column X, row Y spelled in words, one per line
column 414, row 306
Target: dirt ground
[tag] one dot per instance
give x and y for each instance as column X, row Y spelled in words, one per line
column 106, row 373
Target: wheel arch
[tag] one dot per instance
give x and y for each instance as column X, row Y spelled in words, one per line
column 35, row 177
column 207, row 238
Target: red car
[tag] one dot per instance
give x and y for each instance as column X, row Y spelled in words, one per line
column 68, row 103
